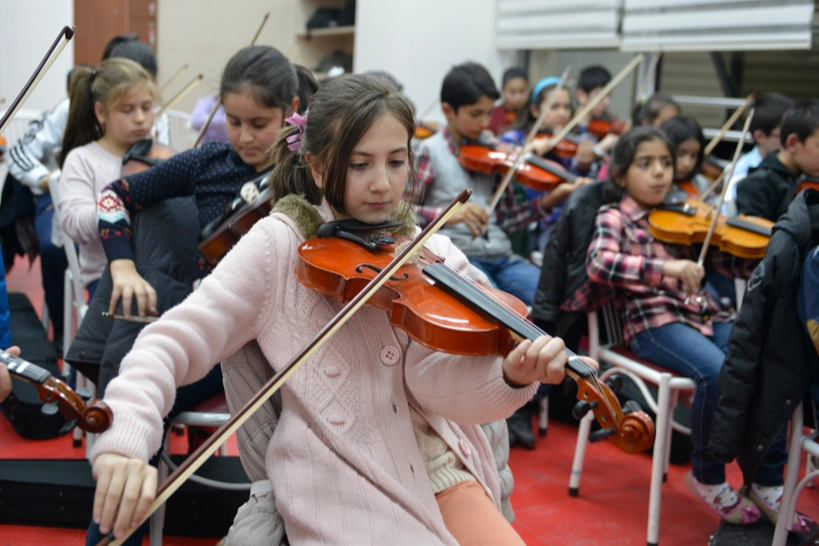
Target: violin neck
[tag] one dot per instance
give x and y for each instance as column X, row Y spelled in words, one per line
column 482, row 302
column 748, row 226
column 24, row 369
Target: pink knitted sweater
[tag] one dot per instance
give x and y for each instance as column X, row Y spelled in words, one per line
column 344, row 461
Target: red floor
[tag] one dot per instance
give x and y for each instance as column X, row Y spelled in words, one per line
column 611, row 510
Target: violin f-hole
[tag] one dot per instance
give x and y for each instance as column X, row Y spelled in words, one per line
column 360, row 269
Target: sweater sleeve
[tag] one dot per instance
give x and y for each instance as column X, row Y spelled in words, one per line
column 227, row 311
column 78, row 204
column 467, row 390
column 42, row 139
column 122, row 198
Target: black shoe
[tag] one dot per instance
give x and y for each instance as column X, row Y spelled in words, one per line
column 520, row 428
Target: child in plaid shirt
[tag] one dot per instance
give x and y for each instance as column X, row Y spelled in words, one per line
column 655, row 281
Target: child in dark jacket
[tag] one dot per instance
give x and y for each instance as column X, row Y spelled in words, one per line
column 770, row 361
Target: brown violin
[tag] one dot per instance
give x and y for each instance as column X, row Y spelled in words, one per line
column 536, row 172
column 566, row 147
column 445, row 311
column 59, row 397
column 601, row 127
column 253, row 203
column 807, row 182
column 143, row 155
column 688, row 224
column 426, row 129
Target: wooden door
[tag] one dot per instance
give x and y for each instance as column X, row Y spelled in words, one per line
column 98, row 21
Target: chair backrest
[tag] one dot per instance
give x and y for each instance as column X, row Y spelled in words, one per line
column 182, row 135
column 70, row 253
column 605, row 327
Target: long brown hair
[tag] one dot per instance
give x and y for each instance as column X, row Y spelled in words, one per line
column 108, row 84
column 340, row 113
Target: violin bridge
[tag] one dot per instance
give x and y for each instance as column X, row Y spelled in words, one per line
column 414, row 257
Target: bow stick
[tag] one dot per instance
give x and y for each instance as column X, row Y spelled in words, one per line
column 185, row 90
column 594, row 102
column 718, row 207
column 727, row 125
column 172, row 78
column 218, row 102
column 187, row 468
column 59, row 44
column 521, row 156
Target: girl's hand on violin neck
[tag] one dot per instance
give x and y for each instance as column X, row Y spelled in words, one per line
column 585, row 155
column 543, row 360
column 474, row 216
column 125, row 490
column 562, row 192
column 689, row 273
column 608, row 142
column 5, row 378
column 128, row 283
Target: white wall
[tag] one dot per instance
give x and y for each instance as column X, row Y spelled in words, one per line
column 418, row 41
column 27, row 29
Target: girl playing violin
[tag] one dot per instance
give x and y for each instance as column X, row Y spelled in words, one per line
column 514, row 92
column 363, row 446
column 560, row 113
column 112, row 107
column 655, row 280
column 259, row 89
column 686, row 136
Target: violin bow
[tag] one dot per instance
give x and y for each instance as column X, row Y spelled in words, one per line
column 594, row 102
column 521, row 155
column 53, row 52
column 192, row 463
column 716, row 210
column 727, row 125
column 185, row 90
column 218, row 102
column 172, row 78
column 655, row 61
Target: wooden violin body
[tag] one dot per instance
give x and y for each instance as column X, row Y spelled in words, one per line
column 741, row 236
column 601, row 127
column 445, row 311
column 241, row 214
column 536, row 172
column 94, row 418
column 808, row 182
column 426, row 129
column 143, row 155
column 566, row 147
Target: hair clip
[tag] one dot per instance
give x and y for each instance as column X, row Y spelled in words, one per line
column 294, row 141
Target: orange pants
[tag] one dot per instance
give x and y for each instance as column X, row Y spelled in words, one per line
column 472, row 517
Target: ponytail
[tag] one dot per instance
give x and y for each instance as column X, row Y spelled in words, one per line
column 292, row 175
column 107, row 85
column 308, row 85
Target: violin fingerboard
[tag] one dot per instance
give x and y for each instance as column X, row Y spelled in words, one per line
column 23, row 368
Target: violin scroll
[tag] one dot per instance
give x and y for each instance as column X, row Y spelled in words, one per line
column 94, row 418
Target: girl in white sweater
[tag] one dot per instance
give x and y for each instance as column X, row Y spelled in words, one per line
column 379, row 435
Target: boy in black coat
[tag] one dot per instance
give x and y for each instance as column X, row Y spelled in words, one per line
column 770, row 360
column 769, row 190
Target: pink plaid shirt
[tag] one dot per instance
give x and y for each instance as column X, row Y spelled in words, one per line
column 624, row 255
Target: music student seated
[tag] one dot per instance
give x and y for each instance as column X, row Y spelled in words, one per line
column 467, row 99
column 387, row 451
column 764, row 128
column 768, row 191
column 686, row 136
column 514, row 95
column 669, row 320
column 259, row 89
column 771, row 360
column 654, row 111
column 583, row 163
column 111, row 108
column 590, row 82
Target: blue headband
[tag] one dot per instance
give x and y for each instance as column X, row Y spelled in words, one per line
column 541, row 85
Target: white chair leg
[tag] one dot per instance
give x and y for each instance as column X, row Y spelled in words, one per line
column 658, row 458
column 157, row 519
column 810, row 467
column 543, row 416
column 788, row 505
column 580, row 453
column 68, row 311
column 675, row 396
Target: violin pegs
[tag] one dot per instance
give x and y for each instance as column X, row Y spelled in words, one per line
column 631, row 406
column 601, row 434
column 615, row 383
column 582, row 408
column 49, row 409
